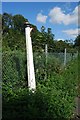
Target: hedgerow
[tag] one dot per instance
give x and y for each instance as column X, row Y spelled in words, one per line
column 54, row 97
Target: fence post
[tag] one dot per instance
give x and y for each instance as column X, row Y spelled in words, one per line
column 30, row 64
column 77, row 53
column 46, row 54
column 65, row 57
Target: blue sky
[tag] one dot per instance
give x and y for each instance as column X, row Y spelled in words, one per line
column 62, row 17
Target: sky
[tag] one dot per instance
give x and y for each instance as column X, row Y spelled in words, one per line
column 61, row 17
column 40, row 0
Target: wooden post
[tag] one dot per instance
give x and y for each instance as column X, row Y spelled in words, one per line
column 46, row 52
column 30, row 64
column 77, row 53
column 65, row 57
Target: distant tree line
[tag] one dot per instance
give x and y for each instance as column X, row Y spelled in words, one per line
column 13, row 33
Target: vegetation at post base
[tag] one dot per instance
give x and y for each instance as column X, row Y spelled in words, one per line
column 54, row 97
column 56, row 90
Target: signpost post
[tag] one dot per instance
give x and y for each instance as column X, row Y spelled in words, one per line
column 30, row 64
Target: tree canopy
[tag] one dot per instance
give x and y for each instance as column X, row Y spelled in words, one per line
column 77, row 41
column 14, row 35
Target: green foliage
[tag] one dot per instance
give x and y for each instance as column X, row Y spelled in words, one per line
column 56, row 86
column 19, row 21
column 53, row 99
column 14, row 68
column 59, row 101
column 77, row 42
column 7, row 22
column 13, row 41
column 46, row 66
column 14, row 36
column 79, row 73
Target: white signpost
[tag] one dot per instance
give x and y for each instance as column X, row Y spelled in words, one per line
column 30, row 64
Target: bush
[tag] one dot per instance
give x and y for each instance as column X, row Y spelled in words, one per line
column 44, row 67
column 53, row 99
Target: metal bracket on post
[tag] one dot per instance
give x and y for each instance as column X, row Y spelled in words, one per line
column 30, row 64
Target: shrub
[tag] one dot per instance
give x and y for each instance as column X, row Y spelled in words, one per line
column 45, row 67
column 53, row 99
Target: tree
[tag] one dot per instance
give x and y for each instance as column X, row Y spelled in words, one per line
column 38, row 41
column 77, row 41
column 13, row 31
column 19, row 21
column 42, row 29
column 50, row 40
column 60, row 46
column 7, row 22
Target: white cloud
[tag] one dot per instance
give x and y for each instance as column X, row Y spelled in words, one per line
column 72, row 32
column 58, row 16
column 41, row 18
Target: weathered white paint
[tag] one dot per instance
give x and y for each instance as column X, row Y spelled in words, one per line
column 30, row 64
